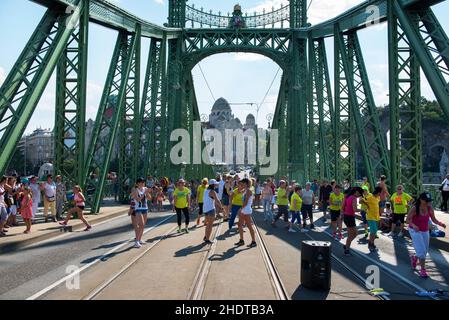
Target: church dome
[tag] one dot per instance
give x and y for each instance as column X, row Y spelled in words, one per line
column 250, row 120
column 221, row 105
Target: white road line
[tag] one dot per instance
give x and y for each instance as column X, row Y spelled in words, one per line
column 68, row 277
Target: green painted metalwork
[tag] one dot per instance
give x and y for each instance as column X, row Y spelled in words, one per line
column 153, row 110
column 431, row 46
column 344, row 127
column 370, row 138
column 405, row 112
column 322, row 113
column 70, row 116
column 110, row 112
column 129, row 135
column 26, row 82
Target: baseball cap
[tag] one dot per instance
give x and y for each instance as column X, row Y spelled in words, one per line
column 213, row 182
column 425, row 196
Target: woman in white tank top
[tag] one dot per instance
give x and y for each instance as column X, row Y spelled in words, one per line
column 209, row 199
column 245, row 215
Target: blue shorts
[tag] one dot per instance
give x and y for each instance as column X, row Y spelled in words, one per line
column 141, row 211
column 363, row 214
column 373, row 226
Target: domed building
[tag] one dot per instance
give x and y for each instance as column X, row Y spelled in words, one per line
column 222, row 118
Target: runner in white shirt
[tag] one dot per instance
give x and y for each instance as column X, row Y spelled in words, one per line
column 245, row 215
column 210, row 200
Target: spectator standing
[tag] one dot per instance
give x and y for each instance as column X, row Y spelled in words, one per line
column 445, row 194
column 49, row 189
column 61, row 197
column 325, row 193
column 36, row 195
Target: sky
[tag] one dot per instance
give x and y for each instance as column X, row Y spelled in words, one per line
column 242, row 79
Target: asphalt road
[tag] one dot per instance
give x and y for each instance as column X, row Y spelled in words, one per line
column 33, row 268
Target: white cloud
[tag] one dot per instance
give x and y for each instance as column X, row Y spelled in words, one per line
column 159, row 1
column 267, row 5
column 322, row 10
column 2, row 75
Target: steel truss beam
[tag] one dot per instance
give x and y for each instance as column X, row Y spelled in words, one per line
column 199, row 44
column 110, row 112
column 405, row 112
column 322, row 152
column 70, row 116
column 154, row 110
column 431, row 45
column 344, row 124
column 28, row 78
column 130, row 124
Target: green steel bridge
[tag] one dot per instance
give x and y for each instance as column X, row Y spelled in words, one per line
column 324, row 130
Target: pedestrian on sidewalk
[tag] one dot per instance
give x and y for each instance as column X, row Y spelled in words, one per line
column 210, row 202
column 363, row 209
column 182, row 204
column 245, row 213
column 4, row 189
column 61, row 197
column 349, row 209
column 26, row 208
column 49, row 189
column 80, row 204
column 36, row 190
column 226, row 195
column 418, row 222
column 384, row 194
column 445, row 194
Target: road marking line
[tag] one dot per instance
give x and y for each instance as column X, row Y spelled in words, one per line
column 118, row 247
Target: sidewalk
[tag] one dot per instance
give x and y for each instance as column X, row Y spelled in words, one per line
column 16, row 239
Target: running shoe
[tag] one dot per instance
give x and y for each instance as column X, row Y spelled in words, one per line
column 63, row 223
column 186, row 230
column 400, row 235
column 240, row 243
column 88, row 228
column 346, row 251
column 423, row 273
column 2, row 234
column 253, row 244
column 341, row 236
column 366, row 234
column 137, row 245
column 291, row 230
column 413, row 261
column 207, row 242
column 142, row 243
column 179, row 230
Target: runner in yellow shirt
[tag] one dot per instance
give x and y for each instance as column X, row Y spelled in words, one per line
column 336, row 200
column 200, row 191
column 400, row 202
column 295, row 209
column 373, row 215
column 182, row 204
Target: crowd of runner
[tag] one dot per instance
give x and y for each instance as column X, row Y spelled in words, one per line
column 231, row 198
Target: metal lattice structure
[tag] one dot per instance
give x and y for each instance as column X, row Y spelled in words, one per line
column 323, row 134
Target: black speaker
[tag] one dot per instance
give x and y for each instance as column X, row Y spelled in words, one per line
column 316, row 264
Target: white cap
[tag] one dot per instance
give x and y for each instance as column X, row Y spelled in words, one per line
column 213, row 182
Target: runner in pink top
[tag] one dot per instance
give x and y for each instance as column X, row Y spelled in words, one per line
column 349, row 209
column 418, row 222
column 79, row 208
